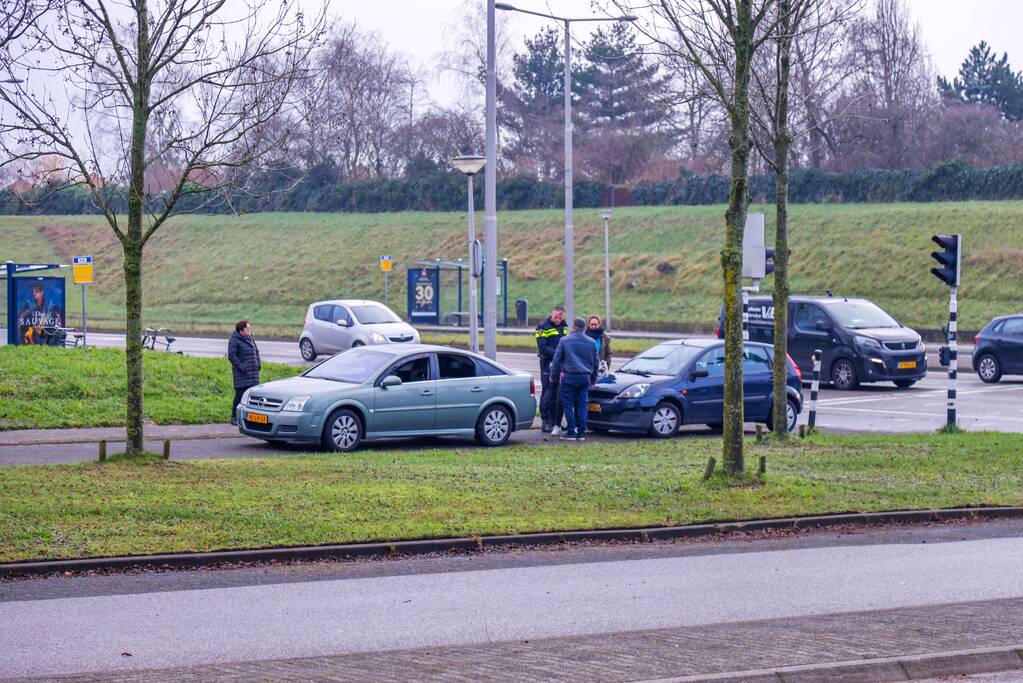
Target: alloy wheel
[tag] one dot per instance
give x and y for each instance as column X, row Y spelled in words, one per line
column 987, row 368
column 495, row 425
column 344, row 432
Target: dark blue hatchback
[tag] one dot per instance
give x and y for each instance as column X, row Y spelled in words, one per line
column 682, row 382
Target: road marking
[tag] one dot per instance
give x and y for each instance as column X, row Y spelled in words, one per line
column 919, row 395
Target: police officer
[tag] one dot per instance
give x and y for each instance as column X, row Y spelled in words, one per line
column 548, row 335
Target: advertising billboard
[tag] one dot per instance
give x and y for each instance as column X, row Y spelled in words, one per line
column 40, row 305
column 424, row 295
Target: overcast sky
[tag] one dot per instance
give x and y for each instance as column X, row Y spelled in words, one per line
column 949, row 27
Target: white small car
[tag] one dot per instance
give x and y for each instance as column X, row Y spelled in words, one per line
column 342, row 324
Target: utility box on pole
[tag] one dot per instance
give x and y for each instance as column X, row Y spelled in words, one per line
column 754, row 250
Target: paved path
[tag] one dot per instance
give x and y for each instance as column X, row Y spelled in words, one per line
column 606, row 613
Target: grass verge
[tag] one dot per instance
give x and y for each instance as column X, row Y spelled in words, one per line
column 88, row 510
column 43, row 387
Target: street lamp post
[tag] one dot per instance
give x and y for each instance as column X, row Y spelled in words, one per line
column 490, row 194
column 569, row 228
column 470, row 165
column 606, row 215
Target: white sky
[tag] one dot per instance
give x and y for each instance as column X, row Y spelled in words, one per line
column 949, row 27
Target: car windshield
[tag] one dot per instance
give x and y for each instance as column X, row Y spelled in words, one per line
column 663, row 359
column 354, row 366
column 859, row 315
column 374, row 314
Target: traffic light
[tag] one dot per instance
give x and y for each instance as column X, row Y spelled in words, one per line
column 950, row 258
column 768, row 261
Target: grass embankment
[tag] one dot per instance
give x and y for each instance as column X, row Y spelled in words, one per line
column 62, row 511
column 213, row 270
column 43, row 387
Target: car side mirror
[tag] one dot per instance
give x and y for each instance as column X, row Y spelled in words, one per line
column 342, row 323
column 391, row 381
column 698, row 373
column 823, row 325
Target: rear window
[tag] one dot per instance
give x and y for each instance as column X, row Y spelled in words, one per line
column 1013, row 326
column 322, row 312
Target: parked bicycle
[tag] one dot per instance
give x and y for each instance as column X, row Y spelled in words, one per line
column 55, row 335
column 151, row 341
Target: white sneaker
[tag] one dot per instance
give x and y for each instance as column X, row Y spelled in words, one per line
column 557, row 431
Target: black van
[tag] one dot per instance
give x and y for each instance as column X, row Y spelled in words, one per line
column 860, row 342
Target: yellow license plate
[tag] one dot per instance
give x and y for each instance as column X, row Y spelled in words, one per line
column 907, row 365
column 593, row 407
column 258, row 419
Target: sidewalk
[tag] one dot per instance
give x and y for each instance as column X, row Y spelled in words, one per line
column 31, row 437
column 882, row 645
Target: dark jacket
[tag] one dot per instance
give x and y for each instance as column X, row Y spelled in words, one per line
column 244, row 357
column 603, row 343
column 547, row 337
column 576, row 355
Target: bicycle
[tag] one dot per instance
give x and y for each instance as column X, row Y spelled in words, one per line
column 149, row 340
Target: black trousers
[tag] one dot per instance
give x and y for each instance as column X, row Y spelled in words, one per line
column 551, row 410
column 238, row 391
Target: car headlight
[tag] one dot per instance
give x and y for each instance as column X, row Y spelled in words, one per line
column 635, row 391
column 296, row 404
column 377, row 338
column 245, row 397
column 919, row 345
column 867, row 342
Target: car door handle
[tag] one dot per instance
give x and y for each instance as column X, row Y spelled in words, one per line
column 476, row 390
column 426, row 392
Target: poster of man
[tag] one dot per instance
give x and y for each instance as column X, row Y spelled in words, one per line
column 40, row 309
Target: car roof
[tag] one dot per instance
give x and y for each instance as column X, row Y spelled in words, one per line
column 347, row 302
column 813, row 298
column 701, row 342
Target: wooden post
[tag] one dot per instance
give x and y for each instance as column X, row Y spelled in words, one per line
column 166, row 449
column 762, row 467
column 760, row 433
column 709, row 470
column 802, row 431
column 102, row 450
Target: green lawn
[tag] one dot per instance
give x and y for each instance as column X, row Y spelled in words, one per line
column 665, row 260
column 114, row 508
column 43, row 387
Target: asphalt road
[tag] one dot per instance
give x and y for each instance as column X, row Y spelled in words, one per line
column 73, row 625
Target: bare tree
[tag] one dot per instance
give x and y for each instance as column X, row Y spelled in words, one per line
column 720, row 38
column 226, row 69
column 798, row 21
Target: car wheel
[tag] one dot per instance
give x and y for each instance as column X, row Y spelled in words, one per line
column 905, row 383
column 666, row 421
column 494, row 426
column 357, row 344
column 843, row 375
column 306, row 348
column 343, row 431
column 989, row 369
column 791, row 416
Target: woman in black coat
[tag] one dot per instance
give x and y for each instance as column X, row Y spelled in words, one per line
column 245, row 363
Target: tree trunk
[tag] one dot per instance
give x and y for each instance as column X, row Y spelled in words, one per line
column 132, row 242
column 782, row 144
column 731, row 255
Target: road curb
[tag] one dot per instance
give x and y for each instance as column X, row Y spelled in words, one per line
column 470, row 544
column 904, row 668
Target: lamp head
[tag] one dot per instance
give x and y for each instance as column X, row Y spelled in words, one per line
column 469, row 164
column 606, row 214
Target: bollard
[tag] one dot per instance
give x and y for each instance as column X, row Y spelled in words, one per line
column 102, row 450
column 166, row 449
column 709, row 470
column 815, row 386
column 760, row 433
column 802, row 431
column 762, row 466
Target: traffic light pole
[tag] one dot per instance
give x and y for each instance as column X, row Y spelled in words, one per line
column 953, row 364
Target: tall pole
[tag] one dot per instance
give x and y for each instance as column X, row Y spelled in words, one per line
column 490, row 197
column 474, row 321
column 607, row 275
column 953, row 356
column 569, row 229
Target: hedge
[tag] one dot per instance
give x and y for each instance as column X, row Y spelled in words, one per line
column 281, row 191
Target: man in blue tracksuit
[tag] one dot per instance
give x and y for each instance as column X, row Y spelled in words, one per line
column 576, row 362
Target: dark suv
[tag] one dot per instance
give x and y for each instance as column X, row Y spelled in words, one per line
column 859, row 341
column 999, row 348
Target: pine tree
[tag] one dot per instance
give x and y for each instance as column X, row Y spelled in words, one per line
column 985, row 79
